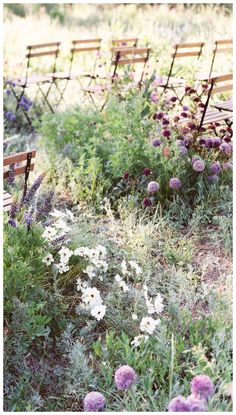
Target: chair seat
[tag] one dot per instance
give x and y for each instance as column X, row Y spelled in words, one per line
column 7, row 201
column 224, row 105
column 36, row 79
column 205, row 76
column 173, row 82
column 72, row 76
column 212, row 116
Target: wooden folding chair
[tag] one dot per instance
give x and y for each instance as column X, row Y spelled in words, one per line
column 190, row 50
column 126, row 43
column 36, row 52
column 221, row 47
column 217, row 85
column 17, row 164
column 78, row 48
column 123, row 57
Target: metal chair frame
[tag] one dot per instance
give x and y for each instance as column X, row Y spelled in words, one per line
column 220, row 47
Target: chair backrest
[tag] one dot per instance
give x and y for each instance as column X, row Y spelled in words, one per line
column 221, row 46
column 80, row 46
column 185, row 50
column 130, row 56
column 22, row 163
column 40, row 51
column 126, row 43
column 216, row 85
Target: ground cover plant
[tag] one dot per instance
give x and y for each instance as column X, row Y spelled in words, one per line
column 118, row 260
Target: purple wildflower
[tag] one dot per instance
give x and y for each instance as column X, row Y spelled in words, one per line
column 173, row 99
column 209, row 143
column 202, row 386
column 11, row 175
column 159, row 115
column 31, row 192
column 227, row 166
column 147, row 171
column 195, row 158
column 184, row 114
column 146, row 202
column 8, row 92
column 126, row 175
column 191, row 126
column 196, row 404
column 175, row 183
column 215, row 168
column 125, row 376
column 216, row 142
column 46, row 207
column 94, row 402
column 12, row 222
column 227, row 139
column 154, row 97
column 153, row 187
column 13, row 211
column 212, row 179
column 28, row 219
column 226, row 148
column 202, row 141
column 185, row 108
column 10, row 116
column 179, row 404
column 156, row 142
column 183, row 151
column 165, row 121
column 199, row 166
column 166, row 133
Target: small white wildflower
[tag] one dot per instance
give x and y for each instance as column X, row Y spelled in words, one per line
column 65, row 254
column 48, row 259
column 49, row 233
column 124, row 286
column 150, row 307
column 98, row 312
column 148, row 324
column 102, row 250
column 136, row 267
column 101, row 278
column 145, row 288
column 91, row 297
column 134, row 317
column 57, row 214
column 118, row 278
column 84, row 286
column 123, row 267
column 70, row 215
column 98, row 263
column 158, row 303
column 139, row 339
column 91, row 271
column 62, row 225
column 79, row 284
column 62, row 268
column 81, row 251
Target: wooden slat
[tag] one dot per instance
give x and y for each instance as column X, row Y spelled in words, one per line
column 222, row 42
column 129, row 51
column 129, row 61
column 227, row 105
column 131, row 39
column 189, row 45
column 17, row 171
column 224, row 50
column 7, row 208
column 6, row 197
column 184, row 54
column 17, row 158
column 224, row 88
column 218, row 116
column 43, row 45
column 86, row 41
column 87, row 49
column 221, row 78
column 38, row 54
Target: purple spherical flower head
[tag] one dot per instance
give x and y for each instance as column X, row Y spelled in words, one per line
column 196, row 404
column 202, row 141
column 179, row 404
column 185, row 108
column 209, row 143
column 126, row 175
column 199, row 166
column 202, row 386
column 173, row 99
column 159, row 115
column 184, row 114
column 146, row 171
column 183, row 151
column 227, row 166
column 216, row 142
column 195, row 158
column 212, row 179
column 153, row 187
column 12, row 222
column 146, row 202
column 156, row 142
column 175, row 183
column 165, row 121
column 166, row 133
column 125, row 377
column 154, row 97
column 215, row 168
column 94, row 402
column 226, row 148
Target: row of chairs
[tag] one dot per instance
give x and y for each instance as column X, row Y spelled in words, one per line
column 123, row 52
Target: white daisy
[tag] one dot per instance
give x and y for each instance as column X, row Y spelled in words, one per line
column 48, row 259
column 158, row 303
column 91, row 271
column 98, row 312
column 148, row 324
column 124, row 267
column 49, row 233
column 139, row 339
column 81, row 251
column 62, row 225
column 118, row 278
column 62, row 268
column 124, row 286
column 91, row 297
column 79, row 284
column 65, row 254
column 134, row 317
column 57, row 214
column 136, row 267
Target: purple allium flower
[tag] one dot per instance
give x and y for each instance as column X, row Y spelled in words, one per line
column 31, row 192
column 227, row 138
column 11, row 175
column 126, row 175
column 125, row 376
column 179, row 404
column 153, row 187
column 8, row 92
column 183, row 151
column 225, row 148
column 202, row 386
column 175, row 183
column 191, row 126
column 166, row 133
column 187, row 89
column 12, row 222
column 154, row 97
column 227, row 166
column 173, row 99
column 216, row 142
column 165, row 121
column 202, row 141
column 94, row 402
column 209, row 143
column 212, row 179
column 184, row 114
column 195, row 158
column 159, row 115
column 199, row 166
column 10, row 116
column 196, row 404
column 215, row 168
column 147, row 171
column 146, row 202
column 185, row 108
column 156, row 142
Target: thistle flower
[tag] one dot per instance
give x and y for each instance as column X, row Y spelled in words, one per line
column 165, row 121
column 146, row 202
column 125, row 377
column 208, row 143
column 202, row 386
column 216, row 142
column 215, row 168
column 153, row 187
column 199, row 166
column 179, row 404
column 156, row 142
column 184, row 114
column 146, row 171
column 225, row 148
column 227, row 166
column 175, row 183
column 94, row 402
column 183, row 151
column 159, row 115
column 166, row 133
column 196, row 404
column 173, row 99
column 31, row 192
column 212, row 179
column 126, row 175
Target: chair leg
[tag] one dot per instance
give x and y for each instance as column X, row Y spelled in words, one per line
column 45, row 96
column 18, row 102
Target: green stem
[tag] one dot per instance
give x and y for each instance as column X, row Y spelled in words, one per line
column 172, row 364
